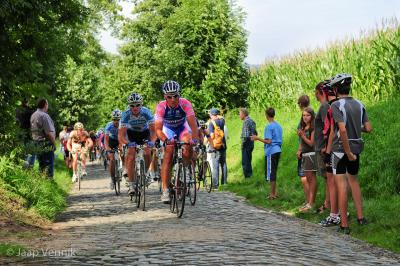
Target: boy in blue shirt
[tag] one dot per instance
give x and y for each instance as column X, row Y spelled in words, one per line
column 272, row 149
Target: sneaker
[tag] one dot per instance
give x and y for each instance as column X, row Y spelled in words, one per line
column 74, row 178
column 330, row 221
column 343, row 230
column 112, row 185
column 362, row 221
column 165, row 196
column 84, row 173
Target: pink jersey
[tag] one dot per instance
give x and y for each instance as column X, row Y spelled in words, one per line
column 174, row 117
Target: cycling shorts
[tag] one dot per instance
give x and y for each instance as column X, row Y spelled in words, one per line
column 179, row 131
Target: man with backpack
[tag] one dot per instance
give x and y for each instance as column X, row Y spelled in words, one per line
column 218, row 152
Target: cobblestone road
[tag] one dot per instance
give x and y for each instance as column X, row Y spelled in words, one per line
column 101, row 228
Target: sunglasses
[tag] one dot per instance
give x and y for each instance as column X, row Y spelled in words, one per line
column 173, row 96
column 136, row 105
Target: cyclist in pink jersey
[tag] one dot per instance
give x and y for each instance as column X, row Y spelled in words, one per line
column 175, row 118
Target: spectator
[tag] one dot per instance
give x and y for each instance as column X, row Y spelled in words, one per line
column 303, row 102
column 218, row 152
column 350, row 119
column 306, row 149
column 272, row 149
column 43, row 135
column 321, row 142
column 248, row 129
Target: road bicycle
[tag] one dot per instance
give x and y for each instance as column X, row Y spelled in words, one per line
column 79, row 170
column 160, row 158
column 140, row 179
column 203, row 169
column 117, row 171
column 177, row 184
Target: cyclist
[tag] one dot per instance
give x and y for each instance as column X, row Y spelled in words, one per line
column 137, row 126
column 174, row 117
column 79, row 142
column 111, row 141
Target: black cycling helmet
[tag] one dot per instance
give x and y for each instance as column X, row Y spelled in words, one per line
column 171, row 87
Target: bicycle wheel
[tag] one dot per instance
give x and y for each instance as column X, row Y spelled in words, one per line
column 207, row 177
column 142, row 187
column 180, row 190
column 116, row 177
column 199, row 172
column 172, row 198
column 137, row 191
column 79, row 173
column 192, row 186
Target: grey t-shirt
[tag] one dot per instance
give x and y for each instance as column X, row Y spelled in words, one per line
column 351, row 112
column 319, row 127
column 41, row 123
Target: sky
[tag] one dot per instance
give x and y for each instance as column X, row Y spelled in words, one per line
column 278, row 28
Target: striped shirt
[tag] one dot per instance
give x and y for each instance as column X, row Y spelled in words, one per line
column 249, row 129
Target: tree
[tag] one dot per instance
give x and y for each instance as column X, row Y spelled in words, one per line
column 199, row 43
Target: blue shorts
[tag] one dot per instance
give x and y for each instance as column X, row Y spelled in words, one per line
column 179, row 131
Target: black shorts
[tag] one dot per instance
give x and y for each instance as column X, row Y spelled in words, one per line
column 138, row 137
column 113, row 143
column 341, row 164
column 271, row 166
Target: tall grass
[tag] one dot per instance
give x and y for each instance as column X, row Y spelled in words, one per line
column 374, row 62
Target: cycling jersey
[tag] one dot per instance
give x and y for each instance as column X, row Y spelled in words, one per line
column 174, row 117
column 111, row 131
column 137, row 123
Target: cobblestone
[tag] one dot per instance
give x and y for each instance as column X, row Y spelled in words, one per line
column 221, row 229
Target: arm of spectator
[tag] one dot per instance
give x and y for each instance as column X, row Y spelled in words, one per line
column 345, row 141
column 367, row 128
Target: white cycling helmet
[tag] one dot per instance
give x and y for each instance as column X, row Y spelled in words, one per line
column 78, row 125
column 135, row 98
column 116, row 114
column 171, row 87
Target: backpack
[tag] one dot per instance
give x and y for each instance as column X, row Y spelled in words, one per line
column 218, row 136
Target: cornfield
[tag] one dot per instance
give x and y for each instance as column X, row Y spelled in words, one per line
column 373, row 61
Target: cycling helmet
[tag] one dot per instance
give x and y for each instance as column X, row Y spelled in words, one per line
column 78, row 125
column 116, row 114
column 135, row 98
column 340, row 81
column 171, row 87
column 202, row 124
column 323, row 87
